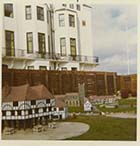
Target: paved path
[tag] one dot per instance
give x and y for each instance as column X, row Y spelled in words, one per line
column 122, row 115
column 62, row 131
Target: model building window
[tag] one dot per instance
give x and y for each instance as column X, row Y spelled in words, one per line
column 61, row 20
column 41, row 43
column 50, row 109
column 40, row 13
column 8, row 10
column 36, row 110
column 78, row 7
column 71, row 6
column 30, row 111
column 84, row 23
column 19, row 113
column 28, row 12
column 47, row 100
column 63, row 46
column 3, row 113
column 15, row 103
column 9, row 43
column 42, row 67
column 44, row 109
column 29, row 37
column 33, row 102
column 73, row 46
column 12, row 113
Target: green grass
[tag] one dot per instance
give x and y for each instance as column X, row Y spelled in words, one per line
column 131, row 103
column 127, row 102
column 106, row 128
column 75, row 109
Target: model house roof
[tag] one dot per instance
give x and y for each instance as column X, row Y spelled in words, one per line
column 25, row 92
column 59, row 103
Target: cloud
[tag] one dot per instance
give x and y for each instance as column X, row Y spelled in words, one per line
column 115, row 32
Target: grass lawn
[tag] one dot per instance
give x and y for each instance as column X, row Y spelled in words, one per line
column 106, row 128
column 75, row 109
column 131, row 103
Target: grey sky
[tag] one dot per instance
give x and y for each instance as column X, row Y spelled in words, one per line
column 115, row 30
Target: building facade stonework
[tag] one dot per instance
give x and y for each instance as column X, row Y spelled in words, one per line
column 40, row 35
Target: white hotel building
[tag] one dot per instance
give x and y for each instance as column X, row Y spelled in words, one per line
column 40, row 35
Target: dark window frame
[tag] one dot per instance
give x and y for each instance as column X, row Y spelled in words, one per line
column 41, row 43
column 15, row 103
column 40, row 13
column 71, row 20
column 63, row 46
column 8, row 12
column 61, row 20
column 29, row 41
column 28, row 12
column 33, row 102
column 10, row 43
column 73, row 46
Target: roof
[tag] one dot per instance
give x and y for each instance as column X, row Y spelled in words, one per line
column 25, row 92
column 59, row 103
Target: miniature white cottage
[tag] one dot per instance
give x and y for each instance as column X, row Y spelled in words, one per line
column 87, row 105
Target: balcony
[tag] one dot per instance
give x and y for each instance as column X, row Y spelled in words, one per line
column 89, row 60
column 54, row 57
column 17, row 53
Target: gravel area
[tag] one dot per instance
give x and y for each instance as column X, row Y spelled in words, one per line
column 63, row 130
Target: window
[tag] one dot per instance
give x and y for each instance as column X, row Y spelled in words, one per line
column 71, row 6
column 28, row 13
column 33, row 102
column 64, row 5
column 78, row 7
column 63, row 46
column 8, row 10
column 30, row 67
column 44, row 109
column 30, row 111
column 36, row 110
column 63, row 68
column 73, row 46
column 15, row 103
column 9, row 43
column 61, row 20
column 40, row 13
column 12, row 113
column 84, row 23
column 47, row 100
column 50, row 109
column 74, row 68
column 42, row 67
column 19, row 113
column 71, row 21
column 29, row 37
column 41, row 43
column 3, row 113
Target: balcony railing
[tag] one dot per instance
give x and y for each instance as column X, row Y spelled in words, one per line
column 18, row 53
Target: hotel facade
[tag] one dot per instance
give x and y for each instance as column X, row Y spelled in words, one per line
column 40, row 35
